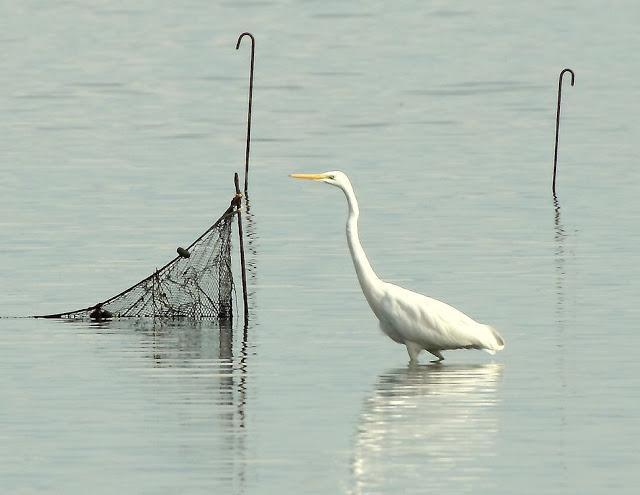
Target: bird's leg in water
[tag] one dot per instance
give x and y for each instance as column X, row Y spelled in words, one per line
column 438, row 355
column 413, row 350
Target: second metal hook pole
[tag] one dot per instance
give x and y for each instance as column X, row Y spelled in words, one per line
column 555, row 154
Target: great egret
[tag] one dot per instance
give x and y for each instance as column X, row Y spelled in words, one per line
column 419, row 322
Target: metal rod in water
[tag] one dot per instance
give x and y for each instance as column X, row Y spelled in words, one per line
column 555, row 154
column 246, row 156
column 241, row 237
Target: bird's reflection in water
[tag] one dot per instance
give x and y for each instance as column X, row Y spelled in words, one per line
column 427, row 425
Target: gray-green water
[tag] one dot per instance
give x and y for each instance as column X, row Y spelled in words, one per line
column 122, row 124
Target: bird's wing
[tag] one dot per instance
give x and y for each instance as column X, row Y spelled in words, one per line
column 427, row 321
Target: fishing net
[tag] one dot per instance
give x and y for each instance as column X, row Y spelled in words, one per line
column 198, row 283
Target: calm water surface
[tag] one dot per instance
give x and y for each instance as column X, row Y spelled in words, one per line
column 122, row 125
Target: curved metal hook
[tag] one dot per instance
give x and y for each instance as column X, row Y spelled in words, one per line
column 555, row 154
column 248, row 145
column 573, row 77
column 253, row 40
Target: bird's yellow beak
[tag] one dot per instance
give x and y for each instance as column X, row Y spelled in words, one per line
column 309, row 176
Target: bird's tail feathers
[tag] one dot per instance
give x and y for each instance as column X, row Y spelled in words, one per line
column 498, row 345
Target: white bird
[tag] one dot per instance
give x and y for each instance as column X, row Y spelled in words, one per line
column 419, row 322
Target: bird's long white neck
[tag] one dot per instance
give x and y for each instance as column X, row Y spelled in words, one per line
column 368, row 279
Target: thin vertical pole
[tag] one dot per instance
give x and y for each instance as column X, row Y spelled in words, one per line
column 241, row 238
column 246, row 155
column 555, row 154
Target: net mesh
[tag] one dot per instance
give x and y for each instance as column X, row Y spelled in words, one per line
column 198, row 283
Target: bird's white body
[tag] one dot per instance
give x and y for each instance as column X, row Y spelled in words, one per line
column 409, row 318
column 421, row 322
